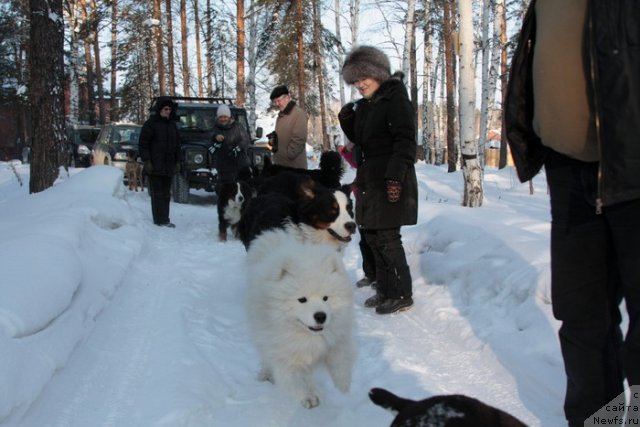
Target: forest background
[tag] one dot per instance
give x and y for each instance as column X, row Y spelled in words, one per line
column 94, row 61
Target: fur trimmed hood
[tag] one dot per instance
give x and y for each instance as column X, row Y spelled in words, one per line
column 366, row 62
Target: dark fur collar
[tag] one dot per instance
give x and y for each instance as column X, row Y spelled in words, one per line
column 287, row 109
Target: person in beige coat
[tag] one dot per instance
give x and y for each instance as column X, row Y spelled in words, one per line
column 291, row 131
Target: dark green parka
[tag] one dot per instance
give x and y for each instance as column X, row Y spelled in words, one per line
column 384, row 131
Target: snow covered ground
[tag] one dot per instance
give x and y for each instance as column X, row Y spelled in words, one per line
column 108, row 320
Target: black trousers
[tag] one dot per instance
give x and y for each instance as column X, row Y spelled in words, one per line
column 595, row 263
column 368, row 259
column 160, row 190
column 392, row 271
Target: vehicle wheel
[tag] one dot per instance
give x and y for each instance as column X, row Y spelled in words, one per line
column 180, row 189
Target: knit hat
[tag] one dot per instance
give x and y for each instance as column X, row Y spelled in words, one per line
column 279, row 91
column 366, row 62
column 223, row 110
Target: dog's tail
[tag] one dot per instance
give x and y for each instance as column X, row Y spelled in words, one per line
column 332, row 169
column 388, row 400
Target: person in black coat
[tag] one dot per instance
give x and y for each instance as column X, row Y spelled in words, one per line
column 382, row 128
column 159, row 146
column 573, row 105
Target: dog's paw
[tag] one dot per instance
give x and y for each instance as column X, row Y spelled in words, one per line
column 310, row 401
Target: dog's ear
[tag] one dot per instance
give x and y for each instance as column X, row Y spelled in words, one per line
column 306, row 187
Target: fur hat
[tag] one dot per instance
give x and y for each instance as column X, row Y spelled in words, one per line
column 366, row 62
column 279, row 91
column 165, row 102
column 223, row 110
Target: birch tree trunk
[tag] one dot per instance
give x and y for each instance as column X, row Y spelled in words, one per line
column 196, row 18
column 168, row 6
column 300, row 41
column 113, row 111
column 354, row 15
column 471, row 169
column 450, row 63
column 185, row 48
column 252, row 62
column 240, row 37
column 157, row 28
column 318, row 53
column 484, row 98
column 501, row 15
column 209, row 49
column 427, row 100
column 46, row 92
column 409, row 24
column 340, row 54
column 72, row 20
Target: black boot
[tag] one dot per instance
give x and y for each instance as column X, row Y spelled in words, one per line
column 394, row 305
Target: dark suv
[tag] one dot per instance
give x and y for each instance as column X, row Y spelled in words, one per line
column 80, row 140
column 114, row 142
column 196, row 119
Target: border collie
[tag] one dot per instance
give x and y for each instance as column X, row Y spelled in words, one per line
column 443, row 411
column 329, row 174
column 297, row 203
column 232, row 201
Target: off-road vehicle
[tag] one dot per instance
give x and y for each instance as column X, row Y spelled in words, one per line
column 196, row 120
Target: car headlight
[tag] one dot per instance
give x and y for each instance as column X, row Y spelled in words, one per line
column 195, row 158
column 120, row 156
column 83, row 149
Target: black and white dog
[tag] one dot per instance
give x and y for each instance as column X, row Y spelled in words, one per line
column 442, row 411
column 294, row 201
column 329, row 173
column 232, row 201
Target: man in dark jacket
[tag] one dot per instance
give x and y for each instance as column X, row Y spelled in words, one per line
column 160, row 151
column 382, row 128
column 573, row 105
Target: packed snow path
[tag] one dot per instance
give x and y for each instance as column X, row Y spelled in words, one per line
column 170, row 347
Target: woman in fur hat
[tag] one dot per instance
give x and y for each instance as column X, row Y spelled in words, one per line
column 382, row 127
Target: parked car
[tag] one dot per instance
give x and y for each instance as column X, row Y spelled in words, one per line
column 196, row 118
column 114, row 142
column 80, row 140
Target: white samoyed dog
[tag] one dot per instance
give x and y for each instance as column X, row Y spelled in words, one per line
column 300, row 311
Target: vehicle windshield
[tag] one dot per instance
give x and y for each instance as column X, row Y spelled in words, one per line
column 126, row 135
column 198, row 119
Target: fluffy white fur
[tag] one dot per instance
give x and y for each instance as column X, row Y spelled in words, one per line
column 300, row 311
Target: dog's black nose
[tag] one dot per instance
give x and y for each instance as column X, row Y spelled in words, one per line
column 351, row 227
column 320, row 317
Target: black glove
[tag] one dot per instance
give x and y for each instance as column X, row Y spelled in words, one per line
column 148, row 167
column 273, row 141
column 394, row 188
column 346, row 111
